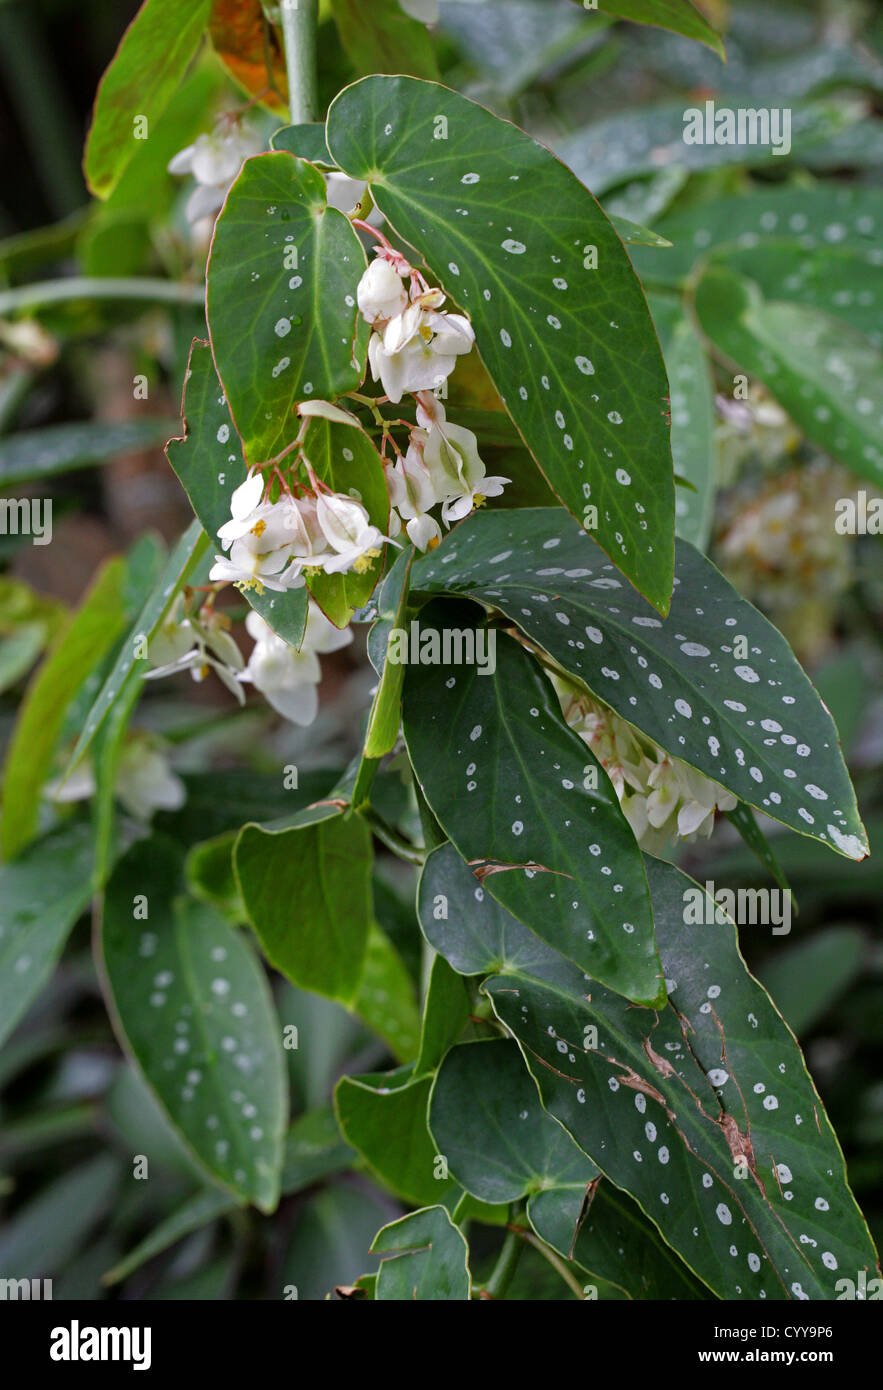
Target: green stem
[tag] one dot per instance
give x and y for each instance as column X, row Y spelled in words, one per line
column 556, row 1262
column 85, row 287
column 299, row 22
column 389, row 837
column 507, row 1263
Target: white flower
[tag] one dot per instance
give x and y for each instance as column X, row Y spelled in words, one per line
column 214, row 160
column 424, row 10
column 288, row 678
column 418, row 349
column 662, row 799
column 457, row 472
column 328, row 411
column 261, row 538
column 352, row 539
column 285, row 677
column 79, row 786
column 198, row 646
column 381, row 294
column 145, row 782
column 320, row 634
column 244, row 500
column 412, row 494
column 461, row 506
column 250, row 568
column 173, row 639
column 342, row 192
column 309, row 545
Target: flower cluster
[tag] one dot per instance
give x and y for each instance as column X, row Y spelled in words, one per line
column 286, row 526
column 214, row 160
column 287, row 678
column 144, row 781
column 198, row 644
column 779, row 547
column 663, row 800
column 756, row 428
column 273, row 544
column 413, row 349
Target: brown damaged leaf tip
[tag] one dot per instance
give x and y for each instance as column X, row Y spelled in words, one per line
column 483, row 868
column 662, row 1065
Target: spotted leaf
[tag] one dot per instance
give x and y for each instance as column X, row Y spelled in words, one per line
column 702, row 1111
column 505, row 777
column 714, row 684
column 281, row 303
column 561, row 321
column 192, row 1006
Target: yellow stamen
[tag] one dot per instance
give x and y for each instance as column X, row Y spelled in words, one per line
column 243, row 585
column 259, row 528
column 425, row 332
column 364, row 561
column 479, row 500
column 433, row 543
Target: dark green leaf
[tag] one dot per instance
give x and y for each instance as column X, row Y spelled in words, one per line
column 825, row 375
column 385, row 716
column 42, row 894
column 666, row 1102
column 446, row 1012
column 650, row 139
column 614, row 1241
column 384, row 1117
column 677, row 15
column 377, row 36
column 193, row 1007
column 754, row 724
column 568, row 347
column 829, row 215
column 307, row 892
column 38, row 454
column 474, row 933
column 148, row 65
column 386, row 999
column 486, row 1118
column 506, row 778
column 692, row 421
column 282, row 269
column 806, row 979
column 433, row 1259
column 48, row 1229
column 306, row 141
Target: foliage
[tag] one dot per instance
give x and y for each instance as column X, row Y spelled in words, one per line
column 448, row 978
